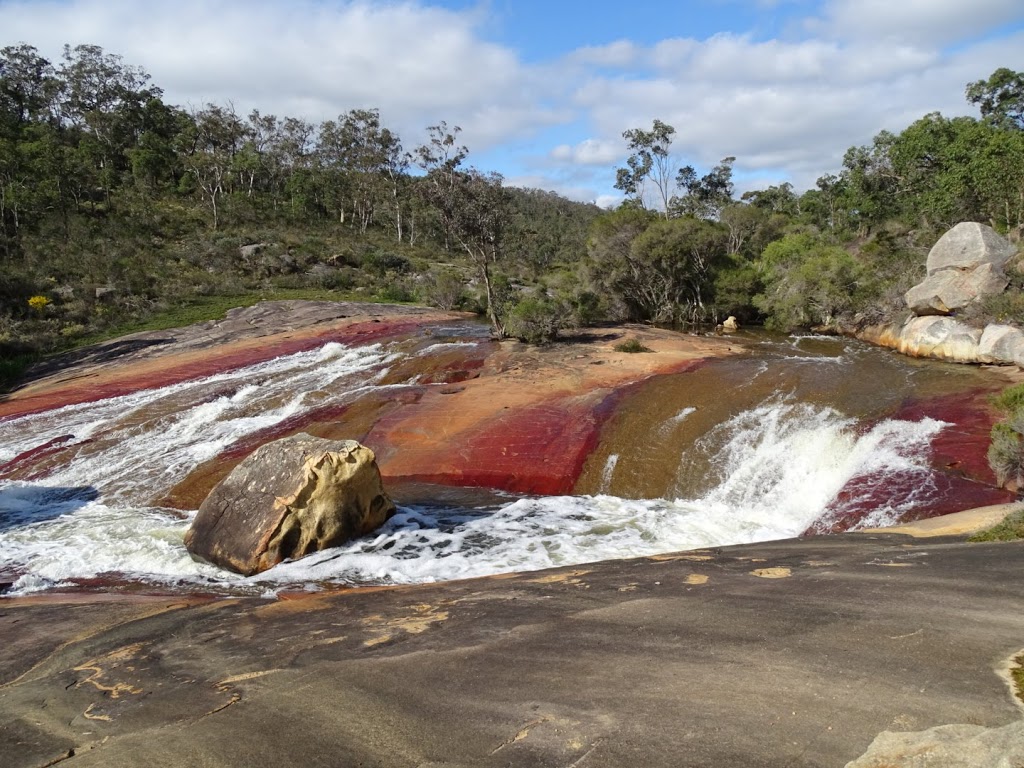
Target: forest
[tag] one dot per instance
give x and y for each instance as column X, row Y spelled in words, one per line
column 119, row 211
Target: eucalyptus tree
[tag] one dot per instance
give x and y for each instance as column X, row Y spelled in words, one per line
column 364, row 159
column 705, row 196
column 472, row 205
column 1000, row 98
column 209, row 148
column 650, row 161
column 103, row 99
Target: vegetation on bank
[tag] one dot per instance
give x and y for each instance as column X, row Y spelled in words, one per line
column 118, row 210
column 1010, row 529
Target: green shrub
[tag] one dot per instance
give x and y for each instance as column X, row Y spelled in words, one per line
column 395, row 292
column 1006, row 450
column 381, row 263
column 443, row 288
column 632, row 346
column 1010, row 529
column 537, row 320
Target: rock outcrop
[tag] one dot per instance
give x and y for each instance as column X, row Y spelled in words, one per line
column 952, row 746
column 963, row 266
column 288, row 499
column 939, row 338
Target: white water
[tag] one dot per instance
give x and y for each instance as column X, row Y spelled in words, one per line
column 778, row 467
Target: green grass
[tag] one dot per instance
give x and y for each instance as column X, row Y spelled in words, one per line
column 632, row 346
column 1011, row 529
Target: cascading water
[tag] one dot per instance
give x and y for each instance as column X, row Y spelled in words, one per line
column 769, row 471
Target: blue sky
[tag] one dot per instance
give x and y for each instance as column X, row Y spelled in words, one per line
column 543, row 90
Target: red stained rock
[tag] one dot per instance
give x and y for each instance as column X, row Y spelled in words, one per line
column 188, row 366
column 540, row 449
column 960, row 477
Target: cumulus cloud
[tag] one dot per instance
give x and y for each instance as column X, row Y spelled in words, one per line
column 932, row 22
column 589, row 152
column 419, row 64
column 787, row 108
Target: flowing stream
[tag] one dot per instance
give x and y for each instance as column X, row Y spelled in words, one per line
column 763, row 462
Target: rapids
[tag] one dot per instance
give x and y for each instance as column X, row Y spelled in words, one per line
column 751, row 448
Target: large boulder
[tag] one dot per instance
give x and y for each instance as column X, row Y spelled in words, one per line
column 942, row 338
column 288, row 499
column 968, row 246
column 952, row 289
column 1001, row 344
column 964, row 265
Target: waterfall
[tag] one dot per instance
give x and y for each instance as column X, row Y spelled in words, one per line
column 776, row 468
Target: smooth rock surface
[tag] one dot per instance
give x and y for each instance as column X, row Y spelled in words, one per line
column 695, row 659
column 288, row 499
column 964, row 265
column 949, row 746
column 942, row 338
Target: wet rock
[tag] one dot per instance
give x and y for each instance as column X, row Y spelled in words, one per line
column 288, row 499
column 963, row 266
column 951, row 746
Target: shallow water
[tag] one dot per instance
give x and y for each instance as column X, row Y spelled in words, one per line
column 745, row 449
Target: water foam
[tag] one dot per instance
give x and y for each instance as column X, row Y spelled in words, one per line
column 775, row 470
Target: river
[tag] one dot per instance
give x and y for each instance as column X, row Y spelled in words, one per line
column 788, row 437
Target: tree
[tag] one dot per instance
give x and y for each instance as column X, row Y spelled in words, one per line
column 807, row 282
column 440, row 158
column 706, row 196
column 660, row 270
column 209, row 147
column 1000, row 98
column 650, row 161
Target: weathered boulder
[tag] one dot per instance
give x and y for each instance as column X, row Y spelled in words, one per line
column 942, row 338
column 951, row 746
column 964, row 265
column 968, row 246
column 952, row 289
column 1001, row 344
column 289, row 498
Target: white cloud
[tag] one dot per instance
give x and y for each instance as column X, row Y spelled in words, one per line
column 786, row 107
column 589, row 152
column 417, row 63
column 621, row 53
column 934, row 22
column 789, row 107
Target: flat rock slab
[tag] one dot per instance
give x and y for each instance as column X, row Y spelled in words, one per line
column 794, row 653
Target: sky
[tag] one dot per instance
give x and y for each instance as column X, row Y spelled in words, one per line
column 544, row 90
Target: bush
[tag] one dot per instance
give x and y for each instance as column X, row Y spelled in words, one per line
column 537, row 320
column 1006, row 449
column 632, row 346
column 395, row 292
column 443, row 289
column 381, row 263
